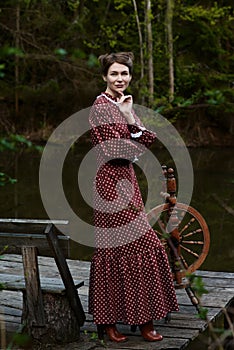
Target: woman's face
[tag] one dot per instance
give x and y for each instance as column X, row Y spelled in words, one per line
column 117, row 79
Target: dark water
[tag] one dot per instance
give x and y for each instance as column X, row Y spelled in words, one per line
column 214, row 177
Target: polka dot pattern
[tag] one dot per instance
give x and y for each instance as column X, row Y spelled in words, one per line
column 130, row 277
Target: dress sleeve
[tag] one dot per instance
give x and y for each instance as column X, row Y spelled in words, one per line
column 140, row 134
column 117, row 140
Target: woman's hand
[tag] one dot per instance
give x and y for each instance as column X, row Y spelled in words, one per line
column 125, row 106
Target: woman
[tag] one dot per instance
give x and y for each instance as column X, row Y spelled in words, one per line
column 130, row 278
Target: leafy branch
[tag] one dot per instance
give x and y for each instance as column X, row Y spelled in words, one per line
column 219, row 336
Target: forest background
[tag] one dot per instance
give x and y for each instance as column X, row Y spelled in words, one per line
column 184, row 62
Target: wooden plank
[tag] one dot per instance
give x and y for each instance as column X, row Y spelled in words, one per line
column 212, row 298
column 14, row 242
column 12, row 258
column 138, row 343
column 33, row 221
column 214, row 274
column 49, row 285
column 219, row 300
column 35, row 308
column 6, row 310
column 169, row 331
column 12, row 282
column 12, row 318
column 218, row 282
column 11, row 299
column 33, row 226
column 185, row 319
column 66, row 275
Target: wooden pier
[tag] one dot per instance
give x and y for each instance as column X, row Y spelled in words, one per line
column 183, row 328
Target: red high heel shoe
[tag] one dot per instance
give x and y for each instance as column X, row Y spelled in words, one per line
column 148, row 332
column 111, row 331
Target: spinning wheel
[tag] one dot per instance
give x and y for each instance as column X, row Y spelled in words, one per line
column 190, row 235
column 183, row 233
column 181, row 229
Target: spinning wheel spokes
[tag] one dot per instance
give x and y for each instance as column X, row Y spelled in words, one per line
column 194, row 237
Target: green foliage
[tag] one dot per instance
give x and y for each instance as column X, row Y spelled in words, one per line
column 203, row 311
column 5, row 179
column 206, row 57
column 73, row 4
column 6, row 52
column 215, row 97
column 3, row 251
column 59, row 42
column 11, row 51
column 92, row 61
column 211, row 14
column 197, row 285
column 20, row 339
column 14, row 142
column 93, row 336
column 77, row 53
column 2, row 67
column 60, row 52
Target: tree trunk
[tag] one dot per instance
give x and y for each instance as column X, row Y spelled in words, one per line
column 17, row 44
column 140, row 38
column 150, row 52
column 141, row 48
column 169, row 18
column 61, row 325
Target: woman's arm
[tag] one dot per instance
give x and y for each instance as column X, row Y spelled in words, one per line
column 118, row 140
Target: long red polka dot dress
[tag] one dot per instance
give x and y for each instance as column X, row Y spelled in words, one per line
column 130, row 278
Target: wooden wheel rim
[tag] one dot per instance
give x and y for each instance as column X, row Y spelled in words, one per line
column 155, row 213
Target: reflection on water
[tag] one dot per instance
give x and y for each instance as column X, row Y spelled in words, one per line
column 213, row 178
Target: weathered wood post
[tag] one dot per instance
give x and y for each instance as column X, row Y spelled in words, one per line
column 65, row 273
column 35, row 310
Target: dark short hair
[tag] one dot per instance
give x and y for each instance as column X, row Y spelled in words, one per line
column 107, row 60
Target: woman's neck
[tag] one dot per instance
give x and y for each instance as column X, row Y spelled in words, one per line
column 112, row 93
